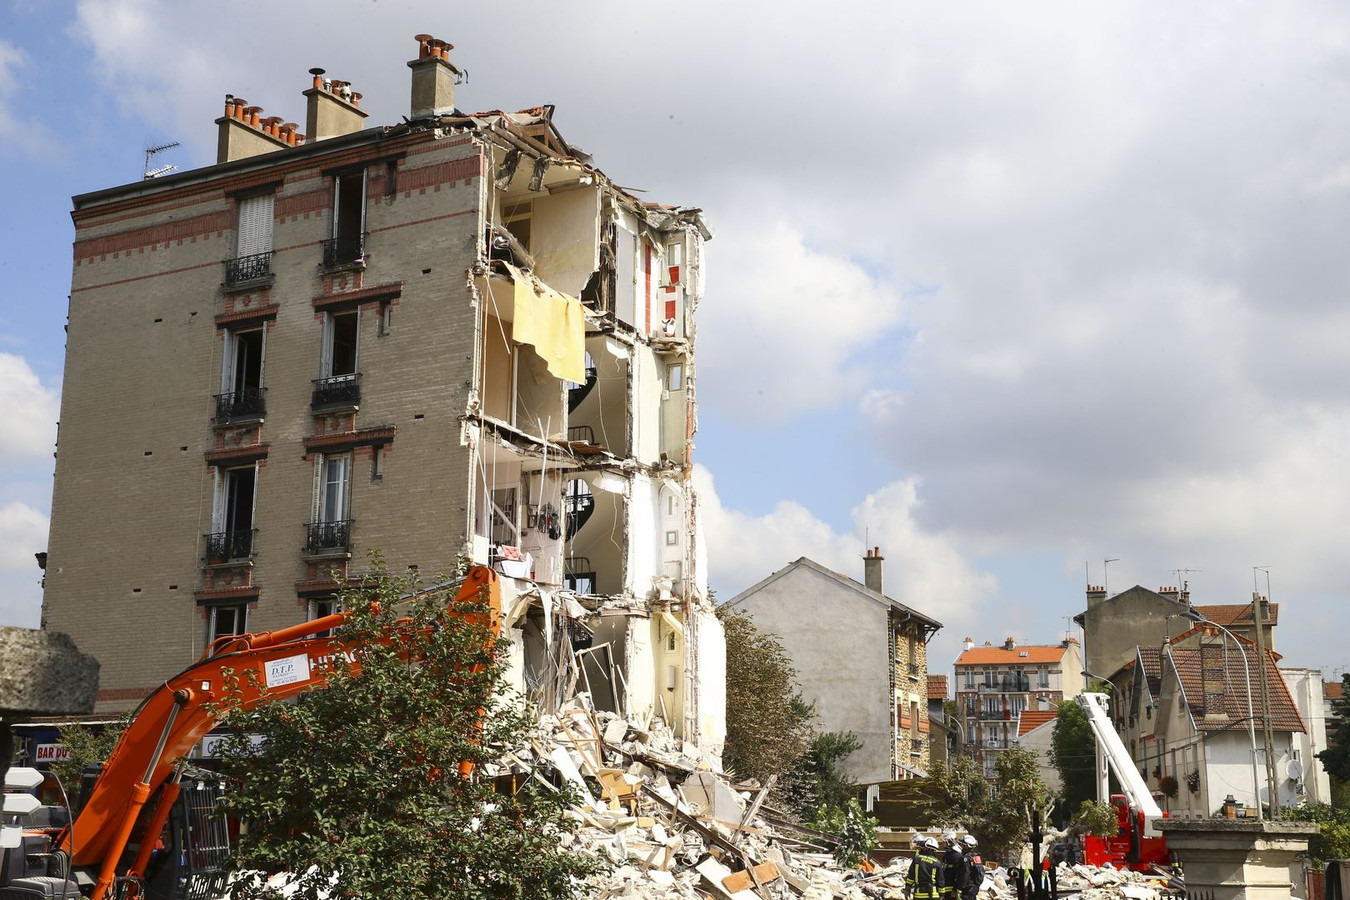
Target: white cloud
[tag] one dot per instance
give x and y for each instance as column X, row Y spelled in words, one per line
column 784, row 325
column 924, row 570
column 30, row 409
column 23, row 532
column 17, row 132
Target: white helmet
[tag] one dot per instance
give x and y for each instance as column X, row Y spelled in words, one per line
column 969, row 841
column 931, row 843
column 949, row 837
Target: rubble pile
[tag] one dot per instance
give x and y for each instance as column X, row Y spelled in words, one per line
column 675, row 828
column 1089, row 883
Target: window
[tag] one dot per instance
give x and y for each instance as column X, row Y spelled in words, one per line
column 241, row 374
column 1017, row 703
column 323, row 607
column 970, row 680
column 232, row 516
column 347, row 246
column 339, row 344
column 670, row 505
column 376, row 463
column 991, row 705
column 330, row 526
column 675, row 377
column 517, row 219
column 672, row 538
column 255, row 225
column 335, row 490
column 228, row 620
column 1043, row 678
column 339, row 382
column 386, row 318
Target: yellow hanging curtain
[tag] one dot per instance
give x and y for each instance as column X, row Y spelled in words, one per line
column 552, row 323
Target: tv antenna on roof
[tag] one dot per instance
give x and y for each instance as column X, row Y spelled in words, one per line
column 150, row 154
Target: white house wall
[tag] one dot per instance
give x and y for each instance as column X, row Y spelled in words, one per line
column 1305, row 686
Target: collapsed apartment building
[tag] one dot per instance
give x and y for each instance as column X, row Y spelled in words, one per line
column 450, row 340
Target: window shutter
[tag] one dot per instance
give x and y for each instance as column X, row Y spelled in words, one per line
column 318, row 487
column 255, row 224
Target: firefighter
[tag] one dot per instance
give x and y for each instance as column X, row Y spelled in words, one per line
column 954, row 873
column 974, row 868
column 924, row 877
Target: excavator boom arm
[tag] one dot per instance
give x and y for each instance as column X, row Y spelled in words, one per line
column 180, row 712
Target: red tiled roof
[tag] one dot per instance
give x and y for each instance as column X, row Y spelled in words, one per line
column 937, row 687
column 1230, row 614
column 1034, row 718
column 977, row 656
column 1333, row 690
column 1233, row 699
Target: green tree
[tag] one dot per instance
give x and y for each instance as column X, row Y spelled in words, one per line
column 356, row 789
column 1333, row 840
column 1095, row 818
column 86, row 746
column 817, row 784
column 1336, row 758
column 996, row 811
column 855, row 831
column 1073, row 750
column 768, row 723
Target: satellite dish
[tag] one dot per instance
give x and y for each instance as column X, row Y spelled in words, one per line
column 1294, row 769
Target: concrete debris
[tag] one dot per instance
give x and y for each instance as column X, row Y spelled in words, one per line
column 43, row 673
column 673, row 827
column 1089, row 883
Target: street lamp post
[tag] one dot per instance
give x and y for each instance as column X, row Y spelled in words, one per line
column 1251, row 716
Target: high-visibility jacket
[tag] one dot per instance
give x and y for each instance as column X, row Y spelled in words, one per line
column 924, row 877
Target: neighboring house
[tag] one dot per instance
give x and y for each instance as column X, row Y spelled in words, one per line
column 1181, row 709
column 1306, row 688
column 452, row 339
column 996, row 685
column 940, row 731
column 1331, row 692
column 861, row 658
column 1036, row 732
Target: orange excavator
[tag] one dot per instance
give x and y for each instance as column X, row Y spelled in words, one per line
column 141, row 781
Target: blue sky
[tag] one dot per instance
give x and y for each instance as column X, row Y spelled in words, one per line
column 1001, row 289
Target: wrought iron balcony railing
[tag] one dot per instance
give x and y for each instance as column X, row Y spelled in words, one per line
column 995, row 715
column 242, row 404
column 243, row 269
column 328, row 537
column 348, row 250
column 337, row 390
column 223, row 546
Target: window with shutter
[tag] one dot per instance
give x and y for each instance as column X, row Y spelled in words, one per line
column 255, row 224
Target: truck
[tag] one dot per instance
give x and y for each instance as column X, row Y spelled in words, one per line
column 1138, row 843
column 147, row 785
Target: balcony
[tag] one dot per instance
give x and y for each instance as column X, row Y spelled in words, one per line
column 225, row 546
column 1006, row 686
column 343, row 252
column 328, row 538
column 336, row 392
column 247, row 403
column 244, row 270
column 995, row 715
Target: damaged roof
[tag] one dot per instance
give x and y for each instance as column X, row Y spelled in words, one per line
column 844, row 581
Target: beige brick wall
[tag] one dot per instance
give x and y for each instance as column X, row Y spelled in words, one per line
column 911, row 686
column 133, row 493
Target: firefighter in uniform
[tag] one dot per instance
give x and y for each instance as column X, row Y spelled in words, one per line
column 924, row 877
column 974, row 868
column 954, row 874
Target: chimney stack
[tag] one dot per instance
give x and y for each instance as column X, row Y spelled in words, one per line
column 969, row 644
column 332, row 109
column 872, row 570
column 1095, row 594
column 243, row 133
column 433, row 78
column 1171, row 593
column 1009, row 644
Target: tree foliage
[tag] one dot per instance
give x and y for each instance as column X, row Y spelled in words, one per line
column 768, row 724
column 1333, row 841
column 997, row 812
column 1336, row 758
column 1095, row 818
column 817, row 784
column 855, row 831
column 86, row 746
column 1073, row 750
column 356, row 789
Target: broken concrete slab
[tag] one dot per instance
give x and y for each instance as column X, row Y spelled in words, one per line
column 43, row 673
